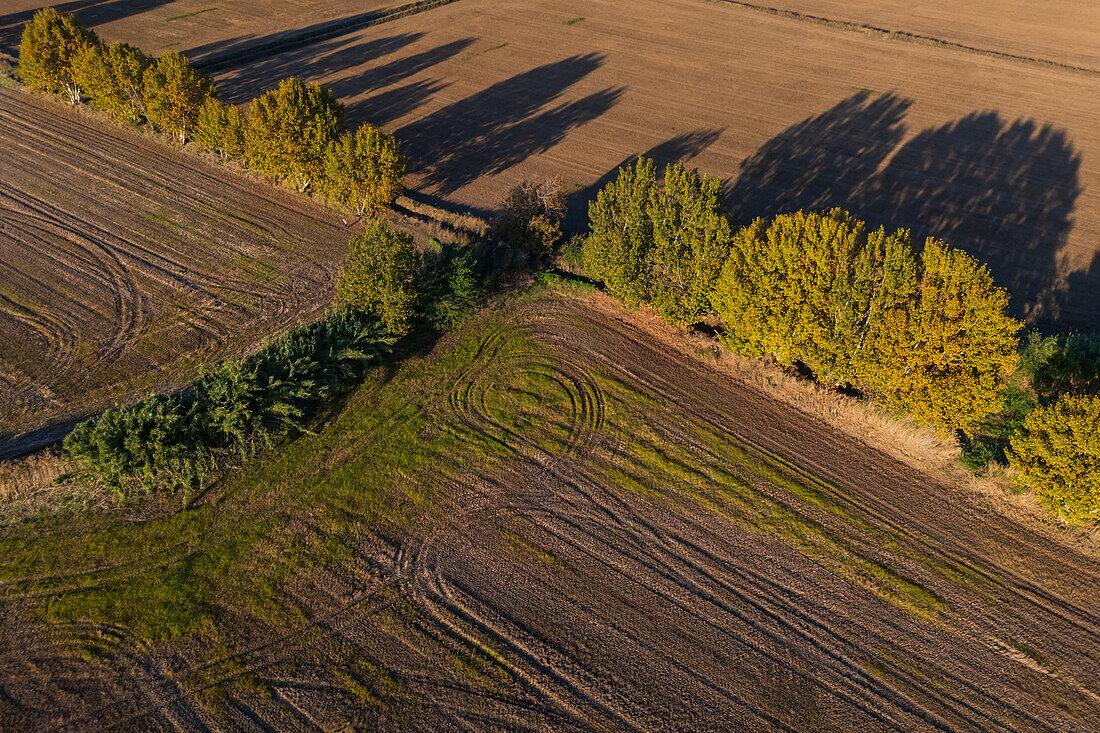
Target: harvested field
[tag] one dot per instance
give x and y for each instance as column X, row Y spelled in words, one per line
column 125, row 264
column 1061, row 31
column 994, row 155
column 194, row 27
column 549, row 523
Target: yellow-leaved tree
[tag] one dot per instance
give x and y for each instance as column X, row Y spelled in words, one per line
column 174, row 93
column 221, row 127
column 290, row 129
column 113, row 77
column 363, row 170
column 810, row 288
column 943, row 356
column 377, row 276
column 1057, row 455
column 691, row 240
column 50, row 43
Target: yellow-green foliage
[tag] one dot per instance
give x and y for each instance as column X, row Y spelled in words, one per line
column 221, row 127
column 113, row 78
column 617, row 250
column 1057, row 455
column 49, row 45
column 290, row 128
column 174, row 94
column 377, row 276
column 942, row 357
column 691, row 240
column 809, row 287
column 364, row 170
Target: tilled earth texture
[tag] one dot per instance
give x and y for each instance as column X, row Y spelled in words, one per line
column 546, row 522
column 125, row 265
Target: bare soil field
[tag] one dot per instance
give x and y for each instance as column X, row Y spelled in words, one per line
column 187, row 25
column 125, row 264
column 1062, row 31
column 547, row 522
column 994, row 155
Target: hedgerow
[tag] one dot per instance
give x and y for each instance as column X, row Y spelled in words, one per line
column 171, row 443
column 294, row 132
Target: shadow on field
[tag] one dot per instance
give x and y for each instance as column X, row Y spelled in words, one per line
column 310, row 62
column 682, row 147
column 502, row 125
column 90, row 12
column 1002, row 190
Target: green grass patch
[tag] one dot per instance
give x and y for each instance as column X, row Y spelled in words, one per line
column 189, row 15
column 572, row 21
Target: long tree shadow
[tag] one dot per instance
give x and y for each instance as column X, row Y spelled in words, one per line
column 1002, row 190
column 822, row 161
column 682, row 147
column 393, row 104
column 316, row 61
column 498, row 127
column 90, row 12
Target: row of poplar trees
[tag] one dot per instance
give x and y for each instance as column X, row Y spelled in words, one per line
column 295, row 132
column 925, row 332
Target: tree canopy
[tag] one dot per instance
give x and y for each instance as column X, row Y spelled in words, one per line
column 378, row 276
column 174, row 94
column 942, row 357
column 1057, row 455
column 363, row 170
column 50, row 44
column 291, row 128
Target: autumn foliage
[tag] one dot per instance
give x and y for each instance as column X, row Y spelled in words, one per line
column 928, row 334
column 294, row 132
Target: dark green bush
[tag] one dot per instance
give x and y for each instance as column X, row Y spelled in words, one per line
column 174, row 442
column 451, row 284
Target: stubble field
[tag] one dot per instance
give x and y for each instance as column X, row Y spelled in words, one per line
column 125, row 265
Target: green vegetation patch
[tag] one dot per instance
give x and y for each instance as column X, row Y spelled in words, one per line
column 572, row 21
column 189, row 15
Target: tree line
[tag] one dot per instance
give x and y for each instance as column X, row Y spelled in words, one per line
column 295, row 132
column 924, row 332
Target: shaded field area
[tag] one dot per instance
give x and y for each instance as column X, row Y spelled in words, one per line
column 994, row 155
column 546, row 522
column 125, row 265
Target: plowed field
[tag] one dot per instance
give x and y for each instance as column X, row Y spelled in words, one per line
column 124, row 265
column 550, row 523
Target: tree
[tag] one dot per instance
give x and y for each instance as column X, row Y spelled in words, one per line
column 49, row 45
column 221, row 127
column 531, row 217
column 941, row 358
column 617, row 250
column 290, row 129
column 363, row 170
column 174, row 94
column 1057, row 455
column 810, row 288
column 691, row 240
column 113, row 77
column 377, row 276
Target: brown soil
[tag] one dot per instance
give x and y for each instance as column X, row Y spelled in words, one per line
column 125, row 264
column 749, row 569
column 1063, row 31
